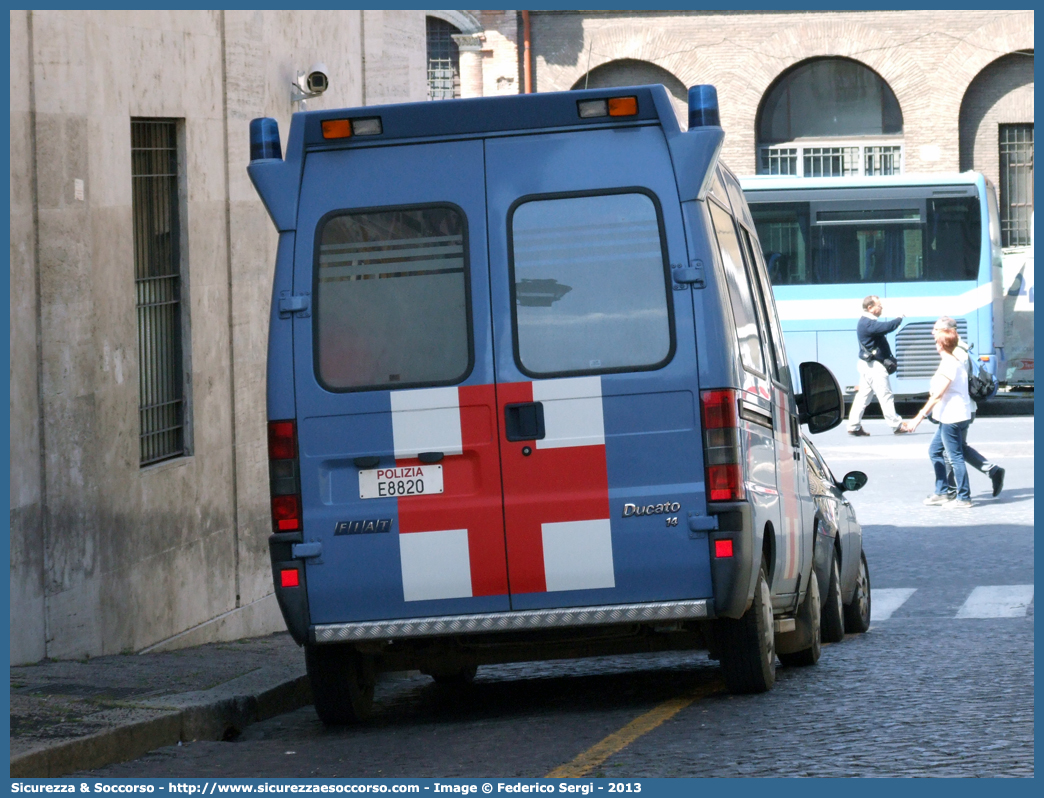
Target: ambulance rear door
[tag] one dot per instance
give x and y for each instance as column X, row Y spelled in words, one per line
column 597, row 390
column 399, row 459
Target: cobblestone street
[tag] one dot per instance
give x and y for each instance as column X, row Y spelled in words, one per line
column 935, row 688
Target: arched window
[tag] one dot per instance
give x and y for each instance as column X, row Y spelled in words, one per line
column 443, row 60
column 830, row 117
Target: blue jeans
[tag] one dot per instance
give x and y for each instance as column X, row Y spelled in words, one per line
column 948, row 445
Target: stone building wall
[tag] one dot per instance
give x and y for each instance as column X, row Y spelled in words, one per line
column 108, row 556
column 929, row 58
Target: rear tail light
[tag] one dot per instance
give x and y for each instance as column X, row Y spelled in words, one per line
column 284, row 477
column 723, row 548
column 289, row 577
column 721, row 446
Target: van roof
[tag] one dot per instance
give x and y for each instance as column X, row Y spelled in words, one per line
column 488, row 115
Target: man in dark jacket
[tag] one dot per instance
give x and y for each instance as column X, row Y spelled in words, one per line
column 873, row 376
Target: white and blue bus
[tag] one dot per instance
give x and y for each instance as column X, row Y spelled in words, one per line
column 928, row 245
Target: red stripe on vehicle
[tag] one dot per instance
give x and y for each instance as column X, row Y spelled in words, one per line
column 534, row 494
column 471, row 493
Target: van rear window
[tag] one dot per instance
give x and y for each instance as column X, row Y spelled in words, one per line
column 392, row 299
column 590, row 285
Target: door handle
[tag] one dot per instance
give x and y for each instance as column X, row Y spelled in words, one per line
column 524, row 421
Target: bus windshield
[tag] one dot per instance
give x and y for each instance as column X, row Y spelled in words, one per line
column 877, row 241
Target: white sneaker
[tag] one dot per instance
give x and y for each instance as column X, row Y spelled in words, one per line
column 958, row 504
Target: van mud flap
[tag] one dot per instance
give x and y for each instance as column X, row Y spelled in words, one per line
column 292, row 600
column 734, row 577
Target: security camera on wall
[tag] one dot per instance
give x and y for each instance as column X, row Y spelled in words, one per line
column 309, row 84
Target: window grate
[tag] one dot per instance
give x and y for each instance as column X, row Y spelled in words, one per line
column 443, row 60
column 1016, row 184
column 157, row 273
column 831, row 161
column 883, row 160
column 779, row 160
column 819, row 160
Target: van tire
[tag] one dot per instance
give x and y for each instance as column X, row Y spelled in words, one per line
column 342, row 682
column 808, row 625
column 832, row 624
column 857, row 612
column 747, row 644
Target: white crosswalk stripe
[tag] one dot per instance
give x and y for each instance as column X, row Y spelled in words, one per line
column 885, row 601
column 996, row 601
column 985, row 601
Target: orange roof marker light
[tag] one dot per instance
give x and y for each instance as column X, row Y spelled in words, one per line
column 623, row 106
column 336, row 128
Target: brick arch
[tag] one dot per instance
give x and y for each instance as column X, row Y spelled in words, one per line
column 630, row 42
column 980, row 49
column 896, row 65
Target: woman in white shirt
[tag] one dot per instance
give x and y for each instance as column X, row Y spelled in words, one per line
column 950, row 405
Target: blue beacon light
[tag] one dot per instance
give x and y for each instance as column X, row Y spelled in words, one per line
column 264, row 139
column 703, row 106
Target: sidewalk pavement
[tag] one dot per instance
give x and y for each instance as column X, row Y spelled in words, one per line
column 77, row 715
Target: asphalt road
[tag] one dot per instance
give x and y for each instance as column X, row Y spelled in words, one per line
column 941, row 685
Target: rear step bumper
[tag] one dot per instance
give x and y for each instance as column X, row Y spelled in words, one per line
column 512, row 621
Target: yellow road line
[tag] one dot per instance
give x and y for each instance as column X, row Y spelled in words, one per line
column 599, row 752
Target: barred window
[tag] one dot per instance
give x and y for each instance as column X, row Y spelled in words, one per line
column 1016, row 184
column 443, row 60
column 779, row 161
column 825, row 159
column 883, row 160
column 157, row 275
column 831, row 161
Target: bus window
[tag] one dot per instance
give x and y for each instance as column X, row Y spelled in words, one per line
column 954, row 234
column 783, row 230
column 872, row 243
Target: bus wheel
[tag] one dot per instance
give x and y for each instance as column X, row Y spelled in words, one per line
column 747, row 645
column 857, row 613
column 342, row 682
column 807, row 634
column 833, row 621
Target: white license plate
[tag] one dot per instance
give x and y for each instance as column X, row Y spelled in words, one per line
column 383, row 483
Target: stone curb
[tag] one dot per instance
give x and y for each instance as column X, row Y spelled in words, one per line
column 219, row 719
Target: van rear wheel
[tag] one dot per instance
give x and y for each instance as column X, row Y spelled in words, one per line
column 857, row 613
column 807, row 631
column 833, row 621
column 748, row 648
column 342, row 682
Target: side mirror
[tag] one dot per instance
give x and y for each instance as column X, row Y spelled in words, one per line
column 853, row 480
column 821, row 404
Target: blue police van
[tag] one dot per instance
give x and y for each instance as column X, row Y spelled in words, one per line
column 527, row 394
